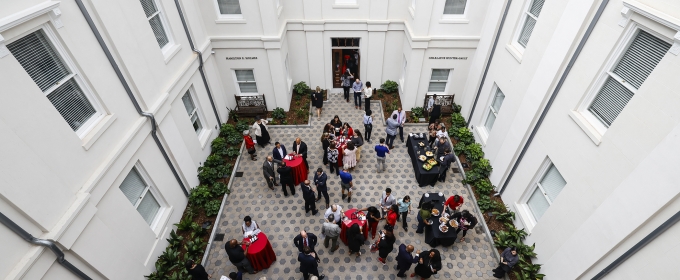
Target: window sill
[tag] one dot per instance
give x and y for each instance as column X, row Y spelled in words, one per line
column 454, row 21
column 204, row 136
column 587, row 127
column 515, row 52
column 345, row 6
column 230, row 21
column 170, row 52
column 525, row 217
column 97, row 131
column 162, row 221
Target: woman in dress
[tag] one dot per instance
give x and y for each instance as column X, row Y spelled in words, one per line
column 465, row 222
column 261, row 132
column 404, row 205
column 349, row 157
column 347, row 80
column 317, row 100
column 358, row 141
column 430, row 263
column 337, row 124
column 332, row 156
column 368, row 92
column 385, row 245
column 355, row 238
column 325, row 143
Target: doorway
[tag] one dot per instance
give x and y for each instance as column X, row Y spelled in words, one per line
column 345, row 57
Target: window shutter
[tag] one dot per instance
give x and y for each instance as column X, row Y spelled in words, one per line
column 537, row 204
column 490, row 120
column 229, row 7
column 149, row 7
column 440, row 74
column 37, row 56
column 148, row 208
column 248, row 87
column 609, row 102
column 536, row 7
column 454, row 7
column 528, row 28
column 72, row 104
column 553, row 183
column 642, row 56
column 159, row 31
column 133, row 186
column 245, row 75
column 188, row 103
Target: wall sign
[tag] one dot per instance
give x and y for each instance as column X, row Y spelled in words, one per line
column 241, row 57
column 449, row 57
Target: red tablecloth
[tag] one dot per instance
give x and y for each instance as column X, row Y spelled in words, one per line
column 341, row 150
column 299, row 171
column 345, row 225
column 260, row 254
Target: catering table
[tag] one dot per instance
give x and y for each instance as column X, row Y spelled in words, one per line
column 424, row 177
column 345, row 225
column 260, row 254
column 434, row 236
column 298, row 169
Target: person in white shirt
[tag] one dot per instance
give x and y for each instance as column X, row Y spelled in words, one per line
column 250, row 227
column 430, row 103
column 336, row 210
column 401, row 119
column 368, row 92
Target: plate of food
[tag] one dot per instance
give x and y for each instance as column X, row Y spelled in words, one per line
column 453, row 223
column 443, row 228
column 432, row 162
column 422, row 144
column 443, row 220
column 422, row 158
column 427, row 167
column 445, row 214
column 429, row 154
column 435, row 212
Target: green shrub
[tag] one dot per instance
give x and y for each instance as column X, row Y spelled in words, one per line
column 200, row 195
column 195, row 247
column 390, row 86
column 301, row 113
column 457, row 121
column 212, row 208
column 233, row 152
column 234, row 138
column 213, row 161
column 506, row 218
column 474, row 152
column 242, row 126
column 456, row 108
column 459, row 148
column 483, row 187
column 278, row 113
column 180, row 274
column 480, row 171
column 417, row 112
column 219, row 146
column 185, row 223
column 175, row 240
column 484, row 203
column 528, row 271
column 301, row 88
column 233, row 115
column 219, row 188
column 209, row 175
column 463, row 135
column 381, row 94
column 227, row 129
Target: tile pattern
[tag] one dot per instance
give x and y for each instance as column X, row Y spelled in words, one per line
column 281, row 218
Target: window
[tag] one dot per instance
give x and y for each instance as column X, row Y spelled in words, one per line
column 230, row 7
column 627, row 75
column 545, row 191
column 157, row 22
column 530, row 17
column 455, row 7
column 58, row 81
column 139, row 193
column 192, row 110
column 494, row 108
column 438, row 80
column 246, row 81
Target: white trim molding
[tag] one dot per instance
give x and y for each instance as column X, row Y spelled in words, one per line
column 8, row 22
column 632, row 6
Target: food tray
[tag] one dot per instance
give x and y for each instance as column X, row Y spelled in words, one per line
column 435, row 212
column 422, row 158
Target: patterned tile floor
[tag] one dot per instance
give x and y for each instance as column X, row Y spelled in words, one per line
column 282, row 218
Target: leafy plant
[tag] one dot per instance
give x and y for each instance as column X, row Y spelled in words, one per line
column 242, row 126
column 463, row 134
column 219, row 146
column 213, row 161
column 390, row 86
column 484, row 187
column 278, row 113
column 194, row 247
column 180, row 274
column 528, row 271
column 457, row 121
column 233, row 115
column 417, row 113
column 200, row 195
column 301, row 113
column 485, row 203
column 175, row 240
column 459, row 148
column 505, row 217
column 233, row 152
column 219, row 188
column 381, row 94
column 474, row 152
column 527, row 251
column 227, row 129
column 197, row 229
column 185, row 223
column 456, row 108
column 212, row 208
column 301, row 88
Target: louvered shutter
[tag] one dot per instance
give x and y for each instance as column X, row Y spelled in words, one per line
column 149, row 7
column 552, row 183
column 154, row 17
column 498, row 100
column 229, row 7
column 642, row 56
column 133, row 186
column 609, row 102
column 72, row 104
column 148, row 208
column 536, row 7
column 530, row 22
column 246, row 81
column 454, row 7
column 438, row 80
column 538, row 204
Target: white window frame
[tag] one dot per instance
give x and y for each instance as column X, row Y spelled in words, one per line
column 238, row 88
column 525, row 214
column 345, row 2
column 591, row 124
column 448, row 79
column 483, row 131
column 230, row 18
column 170, row 49
column 197, row 111
column 446, row 17
column 514, row 47
column 95, row 119
column 164, row 209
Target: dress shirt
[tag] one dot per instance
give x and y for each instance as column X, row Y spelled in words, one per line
column 430, row 103
column 401, row 117
column 252, row 227
column 357, row 86
column 281, row 152
column 368, row 92
column 368, row 119
column 336, row 215
column 387, row 201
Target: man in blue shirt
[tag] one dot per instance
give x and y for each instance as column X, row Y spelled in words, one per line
column 380, row 151
column 357, row 86
column 346, row 184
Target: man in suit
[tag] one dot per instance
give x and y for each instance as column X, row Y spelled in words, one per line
column 300, row 148
column 405, row 259
column 446, row 163
column 268, row 172
column 401, row 119
column 279, row 151
column 308, row 264
column 286, row 178
column 309, row 196
column 305, row 239
column 321, row 188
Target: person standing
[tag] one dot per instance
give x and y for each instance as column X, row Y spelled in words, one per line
column 349, row 158
column 373, row 218
column 336, row 211
column 435, row 113
column 347, row 80
column 331, row 231
column 358, row 141
column 325, row 143
column 279, row 151
column 430, row 263
column 261, row 132
column 368, row 125
column 309, row 196
column 401, row 119
column 305, row 239
column 286, row 178
column 346, row 184
column 391, row 130
column 317, row 100
column 337, row 124
column 386, row 201
column 250, row 144
column 385, row 245
column 441, row 146
column 300, row 148
column 404, row 208
column 308, row 263
column 355, row 239
column 196, row 271
column 453, row 202
column 268, row 172
column 381, row 151
column 509, row 258
column 430, row 103
column 332, row 156
column 432, row 132
column 423, row 216
column 465, row 222
column 391, row 217
column 368, row 92
column 405, row 259
column 237, row 256
column 321, row 188
column 357, row 87
column 446, row 163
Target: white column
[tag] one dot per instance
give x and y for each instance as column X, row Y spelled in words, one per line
column 376, row 52
column 315, row 57
column 280, row 96
column 411, row 96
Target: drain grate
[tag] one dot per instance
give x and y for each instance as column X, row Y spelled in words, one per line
column 238, row 174
column 219, row 237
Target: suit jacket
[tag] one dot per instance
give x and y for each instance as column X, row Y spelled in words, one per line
column 311, row 242
column 448, row 159
column 307, row 192
column 320, row 181
column 276, row 155
column 300, row 149
column 308, row 264
column 268, row 170
column 404, row 258
column 285, row 172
